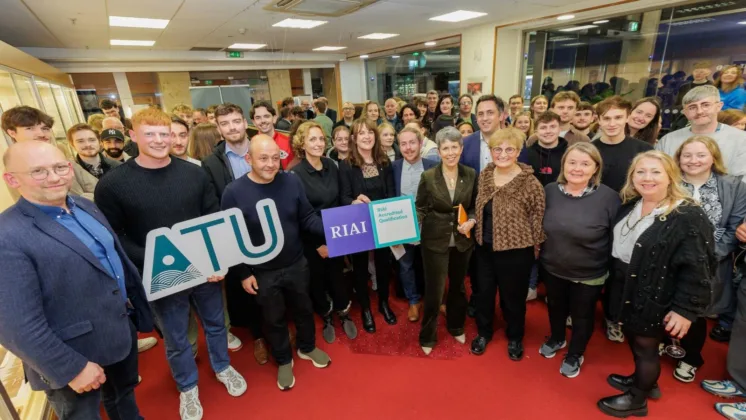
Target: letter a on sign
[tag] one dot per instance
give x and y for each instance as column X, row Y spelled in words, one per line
column 186, row 255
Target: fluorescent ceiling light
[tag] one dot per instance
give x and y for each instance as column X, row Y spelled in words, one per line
column 565, row 17
column 329, row 48
column 431, row 44
column 458, row 16
column 742, row 23
column 578, row 28
column 394, row 56
column 364, row 56
column 299, row 23
column 131, row 43
column 132, row 22
column 598, row 22
column 377, row 36
column 247, row 46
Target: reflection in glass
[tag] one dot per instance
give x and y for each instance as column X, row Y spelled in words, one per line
column 50, row 107
column 25, row 90
column 8, row 96
column 68, row 118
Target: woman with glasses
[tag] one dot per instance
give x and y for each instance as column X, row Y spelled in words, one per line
column 465, row 106
column 509, row 215
column 340, row 144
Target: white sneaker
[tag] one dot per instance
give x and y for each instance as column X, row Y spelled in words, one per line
column 147, row 343
column 531, row 294
column 189, row 406
column 685, row 372
column 233, row 381
column 234, row 344
column 614, row 332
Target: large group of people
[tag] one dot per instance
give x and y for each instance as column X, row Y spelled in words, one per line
column 584, row 199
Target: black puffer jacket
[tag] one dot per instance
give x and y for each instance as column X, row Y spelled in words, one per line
column 673, row 267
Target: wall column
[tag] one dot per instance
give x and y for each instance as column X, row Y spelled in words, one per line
column 352, row 81
column 279, row 85
column 635, row 57
column 477, row 57
column 125, row 95
column 174, row 88
column 508, row 59
column 329, row 82
column 307, row 82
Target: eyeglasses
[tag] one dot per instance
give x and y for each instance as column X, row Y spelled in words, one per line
column 705, row 107
column 40, row 174
column 348, row 108
column 465, row 103
column 508, row 150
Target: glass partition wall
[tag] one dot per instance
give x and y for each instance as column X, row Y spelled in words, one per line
column 650, row 53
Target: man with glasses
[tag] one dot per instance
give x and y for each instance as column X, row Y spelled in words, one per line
column 701, row 107
column 348, row 115
column 516, row 105
column 70, row 312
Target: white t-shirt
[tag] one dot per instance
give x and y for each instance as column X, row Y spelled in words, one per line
column 732, row 142
column 628, row 230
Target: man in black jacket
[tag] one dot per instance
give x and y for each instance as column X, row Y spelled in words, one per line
column 228, row 163
column 545, row 156
column 85, row 141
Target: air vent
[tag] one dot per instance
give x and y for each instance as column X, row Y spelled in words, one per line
column 205, row 49
column 329, row 8
column 213, row 49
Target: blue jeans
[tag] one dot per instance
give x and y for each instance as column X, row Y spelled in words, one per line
column 533, row 280
column 173, row 315
column 117, row 393
column 407, row 274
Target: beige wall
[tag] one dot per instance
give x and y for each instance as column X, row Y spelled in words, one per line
column 174, row 87
column 508, row 59
column 329, row 80
column 279, row 85
column 477, row 56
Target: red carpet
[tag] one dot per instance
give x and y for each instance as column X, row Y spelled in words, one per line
column 385, row 376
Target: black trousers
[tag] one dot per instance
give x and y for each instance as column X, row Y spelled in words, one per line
column 693, row 343
column 452, row 265
column 243, row 308
column 647, row 362
column 326, row 277
column 565, row 298
column 279, row 290
column 383, row 274
column 509, row 272
column 117, row 393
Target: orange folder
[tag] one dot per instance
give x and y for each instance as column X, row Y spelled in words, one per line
column 462, row 218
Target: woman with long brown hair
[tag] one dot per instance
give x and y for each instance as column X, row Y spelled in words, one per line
column 643, row 122
column 366, row 175
column 202, row 140
column 730, row 84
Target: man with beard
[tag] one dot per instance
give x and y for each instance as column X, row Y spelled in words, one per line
column 262, row 114
column 112, row 144
column 130, row 147
column 228, row 163
column 88, row 147
column 585, row 116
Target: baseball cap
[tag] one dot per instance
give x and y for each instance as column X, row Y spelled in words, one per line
column 111, row 133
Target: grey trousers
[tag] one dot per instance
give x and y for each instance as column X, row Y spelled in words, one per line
column 737, row 346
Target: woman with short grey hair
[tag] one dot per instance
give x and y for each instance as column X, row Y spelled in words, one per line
column 449, row 134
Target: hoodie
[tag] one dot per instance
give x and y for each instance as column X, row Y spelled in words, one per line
column 547, row 163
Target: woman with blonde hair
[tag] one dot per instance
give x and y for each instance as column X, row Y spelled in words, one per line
column 539, row 105
column 202, row 140
column 509, row 211
column 96, row 122
column 723, row 199
column 387, row 134
column 320, row 178
column 373, row 112
column 574, row 259
column 663, row 267
column 733, row 118
column 524, row 122
column 730, row 84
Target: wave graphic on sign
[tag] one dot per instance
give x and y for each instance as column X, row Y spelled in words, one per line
column 170, row 278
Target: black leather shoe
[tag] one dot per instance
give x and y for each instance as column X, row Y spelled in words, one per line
column 720, row 334
column 478, row 345
column 624, row 384
column 388, row 314
column 623, row 406
column 369, row 324
column 515, row 350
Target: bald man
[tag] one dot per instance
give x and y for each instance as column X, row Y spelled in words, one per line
column 71, row 301
column 391, row 112
column 284, row 279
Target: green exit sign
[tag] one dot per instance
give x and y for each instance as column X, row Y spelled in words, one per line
column 234, row 54
column 208, row 82
column 634, row 26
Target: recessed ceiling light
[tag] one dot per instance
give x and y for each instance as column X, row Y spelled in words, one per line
column 364, row 56
column 329, row 48
column 578, row 28
column 394, row 56
column 431, row 44
column 565, row 17
column 132, row 22
column 299, row 23
column 742, row 23
column 247, row 46
column 458, row 16
column 131, row 43
column 598, row 22
column 377, row 36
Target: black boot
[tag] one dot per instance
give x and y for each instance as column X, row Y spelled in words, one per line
column 515, row 350
column 369, row 324
column 625, row 383
column 479, row 345
column 720, row 334
column 388, row 314
column 624, row 405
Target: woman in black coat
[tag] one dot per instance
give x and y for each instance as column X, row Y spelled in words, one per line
column 662, row 270
column 366, row 175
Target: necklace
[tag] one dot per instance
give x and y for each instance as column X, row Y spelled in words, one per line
column 630, row 229
column 451, row 180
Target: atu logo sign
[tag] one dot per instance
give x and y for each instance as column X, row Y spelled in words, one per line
column 185, row 255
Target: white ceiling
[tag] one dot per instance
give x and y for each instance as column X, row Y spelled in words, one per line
column 83, row 24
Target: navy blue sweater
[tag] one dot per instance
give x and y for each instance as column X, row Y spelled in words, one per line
column 293, row 209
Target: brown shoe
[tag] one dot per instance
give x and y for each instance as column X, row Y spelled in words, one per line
column 414, row 312
column 260, row 351
column 443, row 309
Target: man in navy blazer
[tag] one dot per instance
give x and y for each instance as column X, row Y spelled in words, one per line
column 407, row 173
column 490, row 117
column 71, row 301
